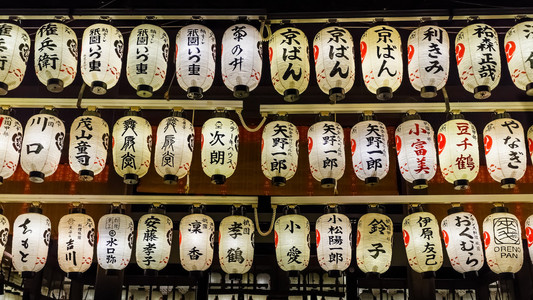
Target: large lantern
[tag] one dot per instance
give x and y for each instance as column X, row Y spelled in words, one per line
column 41, row 148
column 242, row 61
column 370, row 150
column 174, row 147
column 415, row 147
column 220, row 147
column 154, row 238
column 529, row 236
column 458, row 151
column 195, row 59
column 518, row 45
column 89, row 141
column 146, row 64
column 462, row 240
column 374, row 241
column 291, row 239
column 325, row 145
column 75, row 241
column 115, row 240
column 14, row 53
column 505, row 150
column 334, row 242
column 10, row 144
column 279, row 151
column 428, row 59
column 196, row 242
column 334, row 61
column 132, row 147
column 478, row 59
column 56, row 56
column 288, row 52
column 102, row 47
column 236, row 244
column 502, row 237
column 381, row 60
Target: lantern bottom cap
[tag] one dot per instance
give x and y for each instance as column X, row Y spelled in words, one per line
column 529, row 89
column 371, row 181
column 427, row 275
column 428, row 92
column 336, row 94
column 145, row 91
column 131, row 178
column 98, row 87
column 293, row 274
column 195, row 92
column 291, row 95
column 384, row 93
column 508, row 183
column 461, row 184
column 482, row 92
column 74, row 275
column 112, row 272
column 506, row 275
column 27, row 274
column 334, row 273
column 373, row 275
column 1, row 180
column 170, row 179
column 279, row 181
column 150, row 272
column 327, row 183
column 235, row 277
column 218, row 179
column 54, row 85
column 3, row 89
column 241, row 91
column 36, row 177
column 86, row 175
column 420, row 184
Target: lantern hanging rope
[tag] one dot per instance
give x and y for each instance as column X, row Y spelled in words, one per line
column 264, row 115
column 256, row 218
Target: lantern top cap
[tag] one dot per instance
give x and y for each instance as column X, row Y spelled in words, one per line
column 220, row 113
column 49, row 110
column 133, row 111
column 92, row 111
column 376, row 208
column 281, row 116
column 5, row 110
column 411, row 115
column 414, row 208
column 500, row 114
column 455, row 115
column 324, row 116
column 157, row 208
column 522, row 18
column 499, row 209
column 368, row 115
column 455, row 209
column 176, row 112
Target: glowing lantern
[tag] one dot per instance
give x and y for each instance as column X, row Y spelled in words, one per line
column 89, row 141
column 288, row 52
column 502, row 237
column 529, row 236
column 197, row 238
column 42, row 145
column 154, row 238
column 458, row 151
column 334, row 61
column 14, row 53
column 31, row 237
column 381, row 60
column 428, row 59
column 10, row 144
column 56, row 56
column 115, row 241
column 236, row 244
column 478, row 59
column 374, row 242
column 530, row 141
column 518, row 45
column 334, row 242
column 132, row 147
column 242, row 61
column 291, row 239
column 505, row 150
column 4, row 232
column 75, row 241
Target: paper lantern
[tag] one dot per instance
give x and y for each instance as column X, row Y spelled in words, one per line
column 502, row 237
column 291, row 239
column 325, row 145
column 242, row 61
column 370, row 150
column 56, row 56
column 132, row 147
column 236, row 244
column 146, row 65
column 154, row 238
column 10, row 144
column 381, row 60
column 197, row 238
column 14, row 52
column 478, row 59
column 428, row 59
column 195, row 59
column 422, row 242
column 334, row 61
column 89, row 141
column 529, row 236
column 334, row 242
column 415, row 147
column 75, row 242
column 462, row 240
column 530, row 141
column 288, row 53
column 518, row 45
column 279, row 151
column 102, row 47
column 505, row 150
column 115, row 241
column 174, row 147
column 31, row 237
column 374, row 242
column 458, row 151
column 220, row 148
column 4, row 232
column 41, row 148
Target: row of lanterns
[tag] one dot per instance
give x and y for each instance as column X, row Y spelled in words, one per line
column 477, row 54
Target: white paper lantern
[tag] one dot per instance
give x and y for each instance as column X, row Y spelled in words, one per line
column 505, row 150
column 334, row 61
column 236, row 244
column 89, row 141
column 220, row 148
column 56, row 56
column 146, row 65
column 529, row 236
column 502, row 237
column 288, row 53
column 417, row 156
column 374, row 243
column 115, row 241
column 174, row 147
column 102, row 47
column 370, row 150
column 132, row 147
column 10, row 145
column 75, row 242
column 463, row 241
column 41, row 148
column 31, row 237
column 334, row 242
column 422, row 242
column 325, row 145
column 242, row 61
column 381, row 60
column 458, row 151
column 428, row 59
column 530, row 141
column 518, row 45
column 195, row 59
column 197, row 238
column 154, row 238
column 478, row 59
column 279, row 151
column 291, row 239
column 14, row 52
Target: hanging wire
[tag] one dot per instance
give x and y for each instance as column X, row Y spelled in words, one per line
column 446, row 100
column 167, row 93
column 239, row 113
column 271, row 222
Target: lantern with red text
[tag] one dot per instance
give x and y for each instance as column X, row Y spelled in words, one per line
column 291, row 239
column 518, row 51
column 196, row 242
column 115, row 241
column 75, row 241
column 530, row 141
column 236, row 244
column 279, row 151
column 529, row 236
column 31, row 237
column 15, row 51
column 10, row 144
column 334, row 242
column 374, row 242
column 154, row 238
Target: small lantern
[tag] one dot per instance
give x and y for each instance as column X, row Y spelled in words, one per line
column 291, row 239
column 75, row 241
column 4, row 232
column 518, row 45
column 374, row 241
column 529, row 236
column 14, row 54
column 334, row 242
column 154, row 238
column 115, row 240
column 236, row 244
column 10, row 144
column 197, row 239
